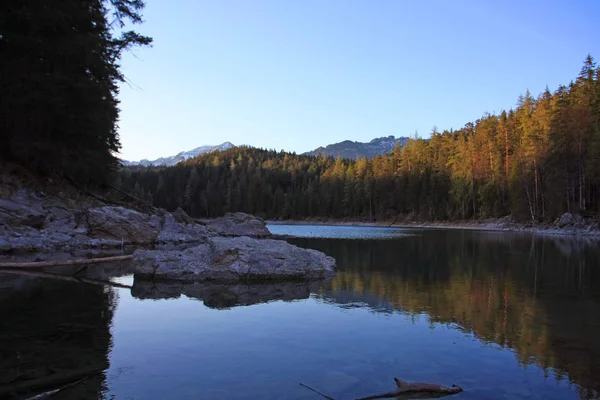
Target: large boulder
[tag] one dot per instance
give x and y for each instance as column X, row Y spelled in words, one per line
column 239, row 224
column 120, row 223
column 226, row 259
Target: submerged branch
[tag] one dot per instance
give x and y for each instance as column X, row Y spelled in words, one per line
column 316, row 391
column 49, row 393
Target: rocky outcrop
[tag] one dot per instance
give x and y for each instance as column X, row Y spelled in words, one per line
column 239, row 224
column 34, row 222
column 218, row 251
column 215, row 295
column 119, row 223
column 225, row 259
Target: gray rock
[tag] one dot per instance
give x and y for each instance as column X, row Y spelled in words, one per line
column 32, row 222
column 572, row 220
column 239, row 224
column 232, row 259
column 22, row 209
column 64, row 224
column 182, row 217
column 119, row 223
column 579, row 221
column 568, row 219
column 172, row 231
column 216, row 295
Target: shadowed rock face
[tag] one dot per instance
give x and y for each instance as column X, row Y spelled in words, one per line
column 226, row 259
column 220, row 296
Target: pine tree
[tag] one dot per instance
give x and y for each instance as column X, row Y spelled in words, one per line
column 59, row 77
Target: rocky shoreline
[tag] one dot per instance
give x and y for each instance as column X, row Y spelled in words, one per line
column 166, row 246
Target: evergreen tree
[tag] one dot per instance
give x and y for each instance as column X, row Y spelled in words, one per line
column 59, row 78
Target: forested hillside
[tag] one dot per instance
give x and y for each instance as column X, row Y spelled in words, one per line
column 533, row 162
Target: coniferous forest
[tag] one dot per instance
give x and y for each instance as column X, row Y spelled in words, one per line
column 59, row 74
column 534, row 163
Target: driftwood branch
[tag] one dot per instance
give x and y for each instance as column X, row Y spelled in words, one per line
column 48, row 381
column 45, row 395
column 68, row 278
column 316, row 391
column 42, row 264
column 405, row 388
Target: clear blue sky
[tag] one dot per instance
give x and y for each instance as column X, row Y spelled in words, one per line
column 295, row 75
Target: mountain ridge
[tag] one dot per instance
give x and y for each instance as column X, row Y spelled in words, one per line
column 352, row 150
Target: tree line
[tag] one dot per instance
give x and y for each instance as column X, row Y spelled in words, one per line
column 533, row 162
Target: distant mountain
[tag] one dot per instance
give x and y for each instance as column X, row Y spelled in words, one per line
column 184, row 155
column 352, row 150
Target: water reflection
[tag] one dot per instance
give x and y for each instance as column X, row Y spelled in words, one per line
column 50, row 327
column 221, row 296
column 418, row 307
column 537, row 296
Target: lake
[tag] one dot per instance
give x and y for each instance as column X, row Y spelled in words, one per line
column 503, row 315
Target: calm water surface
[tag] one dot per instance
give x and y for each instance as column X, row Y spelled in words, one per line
column 505, row 316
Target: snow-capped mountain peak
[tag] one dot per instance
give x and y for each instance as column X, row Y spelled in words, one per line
column 184, row 155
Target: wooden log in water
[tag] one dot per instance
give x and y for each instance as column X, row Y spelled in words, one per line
column 44, row 264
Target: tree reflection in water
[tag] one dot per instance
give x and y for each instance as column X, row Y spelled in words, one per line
column 49, row 327
column 536, row 295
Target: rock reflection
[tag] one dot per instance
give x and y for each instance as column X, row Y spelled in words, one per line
column 223, row 296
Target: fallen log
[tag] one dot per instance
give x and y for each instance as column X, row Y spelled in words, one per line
column 406, row 390
column 43, row 264
column 48, row 381
column 68, row 278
